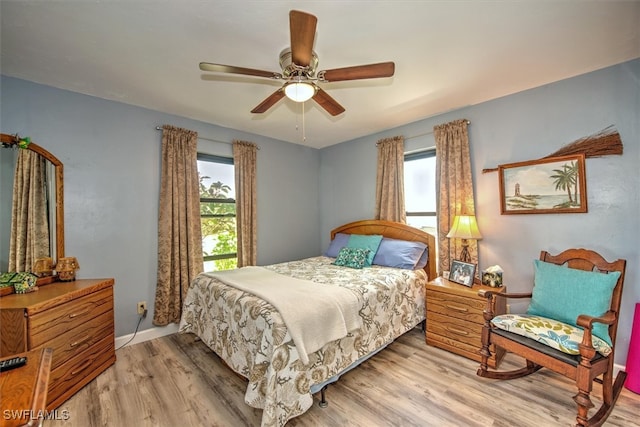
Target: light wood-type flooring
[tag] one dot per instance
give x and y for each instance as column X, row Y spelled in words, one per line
column 177, row 381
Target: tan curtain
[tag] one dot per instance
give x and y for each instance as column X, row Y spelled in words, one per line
column 30, row 221
column 455, row 195
column 244, row 163
column 179, row 230
column 390, row 180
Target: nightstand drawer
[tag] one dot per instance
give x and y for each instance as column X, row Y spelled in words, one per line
column 456, row 306
column 460, row 330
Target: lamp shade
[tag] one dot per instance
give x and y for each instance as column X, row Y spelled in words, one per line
column 465, row 227
column 299, row 91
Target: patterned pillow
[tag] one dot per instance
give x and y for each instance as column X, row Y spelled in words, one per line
column 352, row 257
column 558, row 335
column 368, row 241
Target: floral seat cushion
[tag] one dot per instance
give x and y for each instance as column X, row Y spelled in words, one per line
column 558, row 335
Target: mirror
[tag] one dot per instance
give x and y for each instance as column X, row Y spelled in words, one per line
column 55, row 200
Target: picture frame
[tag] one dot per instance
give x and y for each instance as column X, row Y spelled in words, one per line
column 462, row 272
column 550, row 185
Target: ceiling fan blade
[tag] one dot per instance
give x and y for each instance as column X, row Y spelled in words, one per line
column 302, row 26
column 370, row 71
column 220, row 68
column 269, row 102
column 327, row 102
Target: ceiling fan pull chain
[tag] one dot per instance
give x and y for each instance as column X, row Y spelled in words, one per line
column 304, row 135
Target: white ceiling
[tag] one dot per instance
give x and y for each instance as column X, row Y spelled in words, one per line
column 448, row 54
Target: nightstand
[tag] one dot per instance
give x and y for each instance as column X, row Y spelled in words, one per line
column 454, row 318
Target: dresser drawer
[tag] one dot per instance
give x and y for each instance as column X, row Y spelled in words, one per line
column 469, row 351
column 79, row 339
column 456, row 306
column 54, row 322
column 78, row 371
column 457, row 329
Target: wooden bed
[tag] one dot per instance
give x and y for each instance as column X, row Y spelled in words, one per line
column 394, row 230
column 252, row 337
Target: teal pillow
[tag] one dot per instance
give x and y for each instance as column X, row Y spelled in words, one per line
column 352, row 257
column 563, row 293
column 362, row 241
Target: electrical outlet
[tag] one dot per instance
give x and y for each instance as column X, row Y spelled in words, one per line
column 142, row 308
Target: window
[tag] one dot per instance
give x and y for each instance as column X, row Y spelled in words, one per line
column 420, row 190
column 218, row 212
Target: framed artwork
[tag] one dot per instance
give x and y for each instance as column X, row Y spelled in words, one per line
column 551, row 185
column 462, row 272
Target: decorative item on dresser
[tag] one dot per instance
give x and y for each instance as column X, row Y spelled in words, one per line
column 75, row 319
column 66, row 268
column 455, row 319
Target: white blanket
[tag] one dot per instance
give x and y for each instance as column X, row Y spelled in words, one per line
column 315, row 313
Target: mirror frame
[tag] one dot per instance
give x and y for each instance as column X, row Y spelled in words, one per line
column 9, row 140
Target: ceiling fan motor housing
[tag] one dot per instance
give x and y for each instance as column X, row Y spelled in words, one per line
column 289, row 69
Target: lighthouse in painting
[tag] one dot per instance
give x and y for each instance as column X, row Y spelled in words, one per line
column 517, row 192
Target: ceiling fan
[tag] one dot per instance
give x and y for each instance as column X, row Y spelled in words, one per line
column 299, row 64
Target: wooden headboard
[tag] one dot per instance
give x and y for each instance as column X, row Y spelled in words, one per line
column 394, row 230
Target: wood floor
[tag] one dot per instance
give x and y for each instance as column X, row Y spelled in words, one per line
column 177, row 381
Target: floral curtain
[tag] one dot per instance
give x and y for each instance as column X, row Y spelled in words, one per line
column 180, row 257
column 390, row 180
column 30, row 222
column 244, row 161
column 455, row 195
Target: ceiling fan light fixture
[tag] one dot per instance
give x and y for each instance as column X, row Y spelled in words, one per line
column 299, row 91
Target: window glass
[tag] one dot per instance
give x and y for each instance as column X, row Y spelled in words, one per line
column 218, row 212
column 420, row 190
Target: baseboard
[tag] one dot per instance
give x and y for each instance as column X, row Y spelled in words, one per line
column 146, row 335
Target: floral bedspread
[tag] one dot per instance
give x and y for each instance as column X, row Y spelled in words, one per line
column 251, row 337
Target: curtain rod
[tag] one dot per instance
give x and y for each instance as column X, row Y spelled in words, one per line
column 212, row 140
column 424, row 134
column 428, row 133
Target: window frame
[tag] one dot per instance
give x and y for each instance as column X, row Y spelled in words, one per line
column 422, row 154
column 212, row 158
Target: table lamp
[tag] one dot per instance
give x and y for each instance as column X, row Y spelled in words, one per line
column 465, row 227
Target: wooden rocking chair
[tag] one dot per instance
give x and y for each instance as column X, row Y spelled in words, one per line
column 534, row 335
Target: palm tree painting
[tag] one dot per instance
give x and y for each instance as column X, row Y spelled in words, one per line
column 550, row 185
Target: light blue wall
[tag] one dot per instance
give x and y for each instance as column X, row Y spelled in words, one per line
column 525, row 126
column 111, row 155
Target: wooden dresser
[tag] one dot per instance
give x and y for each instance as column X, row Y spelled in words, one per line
column 75, row 319
column 454, row 318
